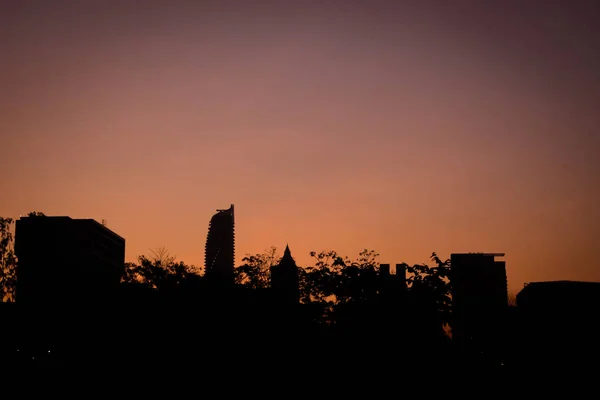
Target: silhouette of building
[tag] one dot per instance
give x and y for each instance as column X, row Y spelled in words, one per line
column 219, row 257
column 393, row 283
column 64, row 260
column 391, row 307
column 559, row 322
column 284, row 278
column 556, row 302
column 554, row 296
column 479, row 299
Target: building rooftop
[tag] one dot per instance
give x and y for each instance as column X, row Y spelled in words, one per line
column 63, row 217
column 479, row 254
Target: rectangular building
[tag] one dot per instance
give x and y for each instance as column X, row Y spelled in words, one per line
column 63, row 260
column 479, row 298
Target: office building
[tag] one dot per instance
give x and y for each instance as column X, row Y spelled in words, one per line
column 63, row 260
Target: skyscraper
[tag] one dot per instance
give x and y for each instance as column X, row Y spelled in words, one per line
column 219, row 256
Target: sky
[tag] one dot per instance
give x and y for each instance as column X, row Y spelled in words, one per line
column 403, row 127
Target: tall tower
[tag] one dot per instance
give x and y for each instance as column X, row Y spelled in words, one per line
column 219, row 258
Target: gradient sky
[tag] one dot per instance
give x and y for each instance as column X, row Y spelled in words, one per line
column 407, row 128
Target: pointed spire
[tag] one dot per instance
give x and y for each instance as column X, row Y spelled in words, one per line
column 287, row 258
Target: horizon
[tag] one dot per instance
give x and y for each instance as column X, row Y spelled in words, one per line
column 238, row 258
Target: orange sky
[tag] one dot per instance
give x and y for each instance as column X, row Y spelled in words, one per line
column 406, row 130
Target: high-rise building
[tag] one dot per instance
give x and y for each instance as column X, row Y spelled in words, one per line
column 284, row 278
column 63, row 260
column 219, row 256
column 479, row 298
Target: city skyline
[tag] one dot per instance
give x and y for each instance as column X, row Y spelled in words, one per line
column 407, row 128
column 304, row 259
column 238, row 259
column 77, row 306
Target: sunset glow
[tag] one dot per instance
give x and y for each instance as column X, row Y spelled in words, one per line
column 404, row 129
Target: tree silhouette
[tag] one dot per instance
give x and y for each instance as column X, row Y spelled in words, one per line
column 429, row 295
column 256, row 271
column 359, row 281
column 159, row 271
column 8, row 262
column 334, row 279
column 319, row 282
column 162, row 256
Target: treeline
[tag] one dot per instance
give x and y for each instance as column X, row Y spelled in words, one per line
column 338, row 294
column 331, row 286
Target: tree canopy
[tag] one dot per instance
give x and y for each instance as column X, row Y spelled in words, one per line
column 255, row 271
column 335, row 286
column 159, row 271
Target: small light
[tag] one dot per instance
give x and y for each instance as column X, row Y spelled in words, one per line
column 48, row 351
